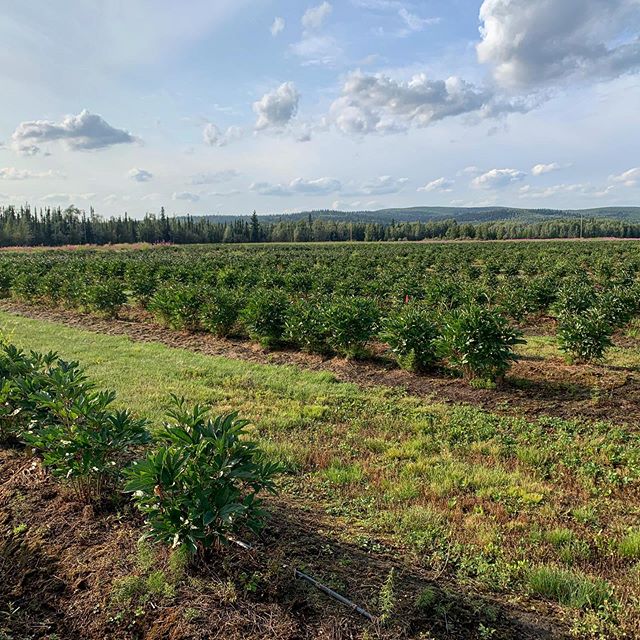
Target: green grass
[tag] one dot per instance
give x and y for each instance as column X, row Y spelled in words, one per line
column 547, row 347
column 458, row 488
column 569, row 587
column 629, row 546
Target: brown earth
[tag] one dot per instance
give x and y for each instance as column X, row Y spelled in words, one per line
column 60, row 560
column 535, row 386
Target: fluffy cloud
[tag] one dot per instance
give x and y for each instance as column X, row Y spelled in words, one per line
column 276, row 108
column 629, row 178
column 314, row 17
column 215, row 137
column 11, row 173
column 498, row 178
column 213, row 177
column 377, row 103
column 277, row 26
column 185, row 195
column 316, row 187
column 541, row 169
column 533, row 43
column 140, row 175
column 377, row 186
column 82, row 132
column 442, row 185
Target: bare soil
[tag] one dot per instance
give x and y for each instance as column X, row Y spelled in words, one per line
column 534, row 387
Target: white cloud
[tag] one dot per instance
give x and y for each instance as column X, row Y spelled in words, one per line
column 317, row 50
column 11, row 173
column 378, row 103
column 140, row 175
column 413, row 22
column 215, row 137
column 185, row 195
column 277, row 26
column 527, row 191
column 442, row 185
column 314, row 17
column 532, row 43
column 60, row 198
column 377, row 186
column 316, row 187
column 498, row 178
column 152, row 197
column 213, row 177
column 541, row 169
column 470, row 171
column 276, row 108
column 629, row 178
column 82, row 132
column 224, row 194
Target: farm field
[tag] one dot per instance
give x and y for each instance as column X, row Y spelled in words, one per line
column 452, row 492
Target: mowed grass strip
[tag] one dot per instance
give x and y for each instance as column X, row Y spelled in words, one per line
column 490, row 500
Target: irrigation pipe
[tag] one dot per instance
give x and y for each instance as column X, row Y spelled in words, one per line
column 332, row 594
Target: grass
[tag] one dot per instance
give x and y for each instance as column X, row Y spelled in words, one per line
column 629, row 546
column 459, row 488
column 569, row 587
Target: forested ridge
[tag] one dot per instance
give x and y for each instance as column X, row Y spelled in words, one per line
column 26, row 226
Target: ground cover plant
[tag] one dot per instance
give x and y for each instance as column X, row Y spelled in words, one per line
column 541, row 510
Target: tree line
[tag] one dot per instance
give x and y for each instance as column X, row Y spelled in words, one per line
column 54, row 226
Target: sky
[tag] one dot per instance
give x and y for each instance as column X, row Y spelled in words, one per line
column 230, row 106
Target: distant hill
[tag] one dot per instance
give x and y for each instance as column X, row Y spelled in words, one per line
column 461, row 214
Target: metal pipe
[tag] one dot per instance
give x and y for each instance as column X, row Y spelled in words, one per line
column 333, row 594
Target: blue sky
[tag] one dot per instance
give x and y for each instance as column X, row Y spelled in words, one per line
column 235, row 105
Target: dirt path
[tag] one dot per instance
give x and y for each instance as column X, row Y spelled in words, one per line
column 535, row 387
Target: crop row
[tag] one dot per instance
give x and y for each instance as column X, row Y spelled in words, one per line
column 430, row 305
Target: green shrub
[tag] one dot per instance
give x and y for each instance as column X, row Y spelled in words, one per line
column 265, row 315
column 412, row 334
column 350, row 324
column 106, row 296
column 22, row 377
column 220, row 312
column 178, row 305
column 202, row 484
column 569, row 587
column 306, row 326
column 480, row 342
column 619, row 305
column 82, row 439
column 585, row 336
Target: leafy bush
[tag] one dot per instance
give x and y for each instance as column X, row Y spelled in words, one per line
column 412, row 333
column 81, row 438
column 265, row 315
column 178, row 305
column 220, row 312
column 306, row 326
column 480, row 341
column 585, row 336
column 106, row 296
column 619, row 305
column 50, row 404
column 22, row 376
column 350, row 324
column 202, row 484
